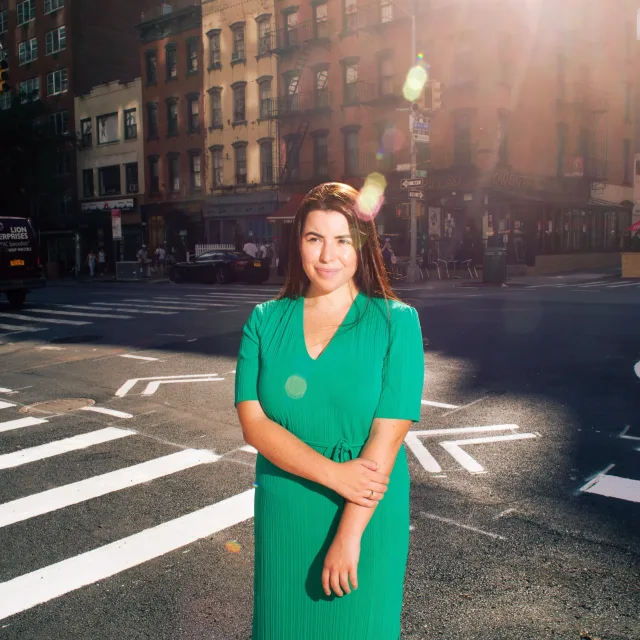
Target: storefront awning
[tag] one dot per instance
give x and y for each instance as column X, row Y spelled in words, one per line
column 565, row 200
column 635, row 226
column 287, row 212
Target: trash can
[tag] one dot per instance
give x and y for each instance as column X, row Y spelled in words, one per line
column 494, row 266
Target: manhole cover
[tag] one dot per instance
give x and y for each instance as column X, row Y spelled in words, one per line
column 75, row 339
column 61, row 405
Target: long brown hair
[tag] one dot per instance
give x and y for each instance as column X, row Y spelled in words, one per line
column 371, row 275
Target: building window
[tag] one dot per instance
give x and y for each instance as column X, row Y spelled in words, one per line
column 351, row 148
column 30, row 90
column 27, row 51
column 291, row 28
column 216, row 109
column 154, row 174
column 107, row 128
column 321, row 156
column 239, row 104
column 55, row 40
column 238, row 44
column 151, row 65
column 195, row 170
column 386, row 76
column 59, row 122
column 26, row 11
column 86, row 133
column 171, row 55
column 53, row 5
column 562, row 145
column 351, row 83
column 87, row 183
column 214, row 49
column 130, row 124
column 322, row 88
column 109, row 180
column 264, row 93
column 192, row 56
column 57, row 82
column 174, row 172
column 320, row 23
column 462, row 140
column 193, row 113
column 172, row 118
column 131, row 177
column 152, row 120
column 386, row 11
column 626, row 150
column 350, row 15
column 264, row 37
column 5, row 101
column 266, row 162
column 503, row 140
column 292, row 164
column 4, row 21
column 241, row 164
column 216, row 167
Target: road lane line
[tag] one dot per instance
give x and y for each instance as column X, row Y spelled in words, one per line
column 19, row 316
column 129, row 384
column 428, row 462
column 249, row 449
column 21, row 423
column 134, row 357
column 454, row 448
column 104, row 307
column 151, row 305
column 621, row 284
column 108, row 412
column 21, row 328
column 440, row 405
column 55, row 580
column 38, row 504
column 432, row 516
column 464, row 406
column 152, row 387
column 614, row 487
column 58, row 447
column 6, row 405
column 80, row 313
column 194, row 302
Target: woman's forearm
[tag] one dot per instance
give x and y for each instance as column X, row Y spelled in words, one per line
column 382, row 446
column 283, row 449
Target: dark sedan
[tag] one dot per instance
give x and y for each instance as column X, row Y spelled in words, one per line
column 221, row 267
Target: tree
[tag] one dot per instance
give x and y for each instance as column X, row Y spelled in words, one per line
column 29, row 154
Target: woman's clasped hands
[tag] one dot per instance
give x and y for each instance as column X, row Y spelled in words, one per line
column 360, row 482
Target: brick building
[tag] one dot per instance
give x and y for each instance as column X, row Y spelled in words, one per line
column 534, row 140
column 58, row 49
column 172, row 63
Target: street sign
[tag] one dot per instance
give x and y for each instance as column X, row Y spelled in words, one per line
column 421, row 173
column 421, row 127
column 420, row 137
column 410, row 183
column 416, row 195
column 404, row 167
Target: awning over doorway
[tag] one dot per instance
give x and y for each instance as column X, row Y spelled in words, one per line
column 564, row 200
column 635, row 226
column 287, row 212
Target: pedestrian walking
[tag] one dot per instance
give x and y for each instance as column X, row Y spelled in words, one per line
column 329, row 380
column 91, row 262
column 143, row 260
column 250, row 247
column 161, row 258
column 102, row 261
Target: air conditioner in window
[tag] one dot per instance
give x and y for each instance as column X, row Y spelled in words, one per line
column 133, row 188
column 235, row 55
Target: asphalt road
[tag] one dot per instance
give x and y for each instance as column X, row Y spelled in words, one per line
column 136, row 523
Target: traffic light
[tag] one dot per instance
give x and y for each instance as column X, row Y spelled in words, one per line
column 402, row 210
column 433, row 96
column 4, row 75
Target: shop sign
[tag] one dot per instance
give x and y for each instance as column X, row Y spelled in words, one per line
column 443, row 182
column 108, row 205
column 116, row 224
column 509, row 180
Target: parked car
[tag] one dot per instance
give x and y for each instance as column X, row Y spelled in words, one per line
column 20, row 268
column 221, row 267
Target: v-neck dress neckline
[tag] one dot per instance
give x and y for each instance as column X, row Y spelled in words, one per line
column 333, row 337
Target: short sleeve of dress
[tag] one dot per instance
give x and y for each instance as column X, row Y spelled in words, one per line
column 248, row 366
column 403, row 372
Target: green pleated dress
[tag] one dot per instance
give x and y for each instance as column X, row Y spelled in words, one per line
column 372, row 368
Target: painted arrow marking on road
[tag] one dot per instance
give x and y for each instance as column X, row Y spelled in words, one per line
column 454, row 447
column 154, row 382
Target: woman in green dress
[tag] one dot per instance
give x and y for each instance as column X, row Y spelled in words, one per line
column 328, row 382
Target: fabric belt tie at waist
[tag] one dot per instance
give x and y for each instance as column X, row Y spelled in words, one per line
column 341, row 451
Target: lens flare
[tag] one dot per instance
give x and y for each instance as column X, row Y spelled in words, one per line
column 371, row 196
column 415, row 82
column 295, row 387
column 232, row 546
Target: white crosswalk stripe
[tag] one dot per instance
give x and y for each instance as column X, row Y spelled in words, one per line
column 80, row 313
column 103, row 307
column 16, row 328
column 152, row 306
column 19, row 316
column 53, row 581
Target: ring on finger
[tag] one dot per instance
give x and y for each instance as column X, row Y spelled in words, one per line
column 370, row 494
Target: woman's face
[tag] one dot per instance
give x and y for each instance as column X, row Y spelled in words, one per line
column 329, row 257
